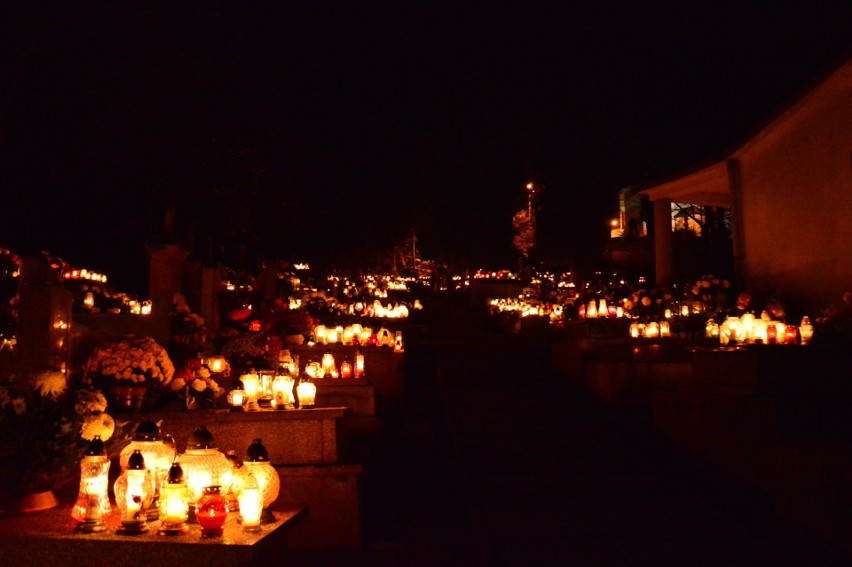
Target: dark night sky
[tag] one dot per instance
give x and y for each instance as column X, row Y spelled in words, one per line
column 344, row 126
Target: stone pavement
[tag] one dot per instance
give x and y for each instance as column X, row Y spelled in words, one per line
column 496, row 459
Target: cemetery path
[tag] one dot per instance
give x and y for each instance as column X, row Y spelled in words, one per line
column 496, row 459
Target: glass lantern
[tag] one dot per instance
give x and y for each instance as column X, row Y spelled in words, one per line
column 237, row 396
column 134, row 489
column 93, row 498
column 771, row 333
column 313, row 369
column 780, row 332
column 250, row 503
column 212, row 511
column 306, row 392
column 282, row 391
column 327, row 363
column 358, row 370
column 321, row 334
column 158, row 456
column 652, row 330
column 236, row 479
column 251, row 386
column 711, row 329
column 747, row 325
column 790, row 335
column 257, row 464
column 203, row 465
column 346, row 368
column 348, row 333
column 729, row 330
column 806, row 330
column 217, row 364
column 592, row 310
column 266, row 378
column 760, row 330
column 634, row 330
column 174, row 502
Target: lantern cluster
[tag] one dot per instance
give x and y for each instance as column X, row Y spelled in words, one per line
column 651, row 330
column 749, row 329
column 355, row 335
column 600, row 308
column 200, row 486
column 268, row 390
column 524, row 307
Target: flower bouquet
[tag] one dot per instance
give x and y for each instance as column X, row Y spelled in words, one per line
column 186, row 326
column 648, row 305
column 256, row 350
column 712, row 292
column 42, row 431
column 285, row 322
column 129, row 368
column 194, row 382
column 833, row 326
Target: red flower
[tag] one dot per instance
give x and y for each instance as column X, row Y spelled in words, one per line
column 240, row 314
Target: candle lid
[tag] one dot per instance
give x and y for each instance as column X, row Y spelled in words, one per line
column 175, row 473
column 257, row 452
column 136, row 461
column 146, row 431
column 201, row 439
column 96, row 447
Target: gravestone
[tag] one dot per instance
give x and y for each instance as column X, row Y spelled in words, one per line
column 44, row 318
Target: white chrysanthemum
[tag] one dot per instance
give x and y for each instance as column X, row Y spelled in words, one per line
column 198, row 385
column 97, row 423
column 178, row 384
column 203, row 372
column 50, row 383
column 133, row 359
column 89, row 400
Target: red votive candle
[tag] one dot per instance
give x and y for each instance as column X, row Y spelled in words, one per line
column 211, row 512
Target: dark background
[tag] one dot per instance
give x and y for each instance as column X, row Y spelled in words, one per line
column 327, row 133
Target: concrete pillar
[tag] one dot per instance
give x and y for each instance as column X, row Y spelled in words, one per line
column 663, row 242
column 165, row 286
column 44, row 327
column 211, row 286
column 165, row 275
column 737, row 224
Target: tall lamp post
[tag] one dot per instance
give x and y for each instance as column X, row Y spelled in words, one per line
column 524, row 222
column 613, row 225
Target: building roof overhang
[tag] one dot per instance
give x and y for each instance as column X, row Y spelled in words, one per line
column 708, row 186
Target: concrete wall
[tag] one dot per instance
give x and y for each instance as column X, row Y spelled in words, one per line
column 796, row 180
